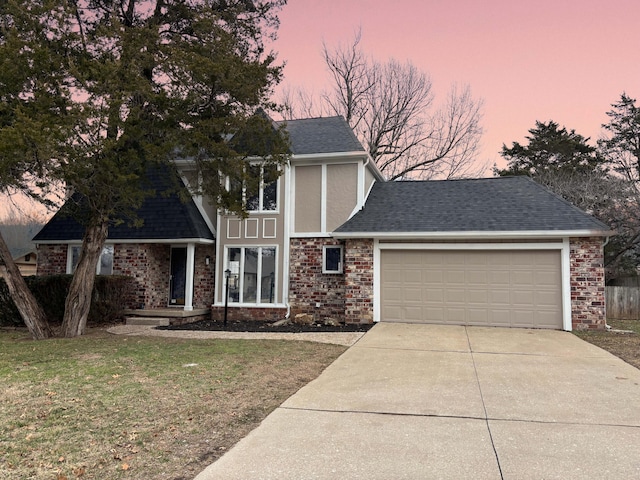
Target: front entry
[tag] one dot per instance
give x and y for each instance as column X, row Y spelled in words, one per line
column 178, row 276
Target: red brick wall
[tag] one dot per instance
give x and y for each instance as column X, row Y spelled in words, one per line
column 358, row 263
column 204, row 276
column 248, row 313
column 587, row 283
column 308, row 286
column 148, row 266
column 52, row 260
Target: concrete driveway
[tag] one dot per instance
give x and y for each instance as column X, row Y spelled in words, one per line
column 430, row 401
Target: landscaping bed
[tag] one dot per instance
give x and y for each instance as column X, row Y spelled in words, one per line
column 257, row 326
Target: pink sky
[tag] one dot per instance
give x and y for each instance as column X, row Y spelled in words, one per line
column 561, row 60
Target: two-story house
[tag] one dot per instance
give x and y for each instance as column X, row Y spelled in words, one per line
column 281, row 257
column 331, row 238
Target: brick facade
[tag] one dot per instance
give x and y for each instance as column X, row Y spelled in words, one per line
column 587, row 283
column 52, row 260
column 148, row 266
column 358, row 261
column 345, row 297
column 204, row 276
column 248, row 313
column 311, row 291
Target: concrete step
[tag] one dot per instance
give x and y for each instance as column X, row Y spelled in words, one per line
column 155, row 321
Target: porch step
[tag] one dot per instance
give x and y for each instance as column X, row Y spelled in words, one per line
column 155, row 321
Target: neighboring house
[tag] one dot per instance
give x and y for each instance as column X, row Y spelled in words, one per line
column 331, row 238
column 26, row 261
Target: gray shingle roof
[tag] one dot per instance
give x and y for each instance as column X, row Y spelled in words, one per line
column 164, row 216
column 321, row 135
column 503, row 204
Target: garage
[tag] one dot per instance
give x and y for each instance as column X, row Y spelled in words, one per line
column 504, row 288
column 494, row 252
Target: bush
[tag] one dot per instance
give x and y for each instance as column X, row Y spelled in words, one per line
column 51, row 291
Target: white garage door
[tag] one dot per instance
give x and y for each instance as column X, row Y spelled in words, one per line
column 492, row 288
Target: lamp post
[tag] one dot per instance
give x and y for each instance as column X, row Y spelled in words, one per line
column 227, row 274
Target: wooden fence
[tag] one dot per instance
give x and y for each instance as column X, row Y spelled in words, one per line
column 623, row 302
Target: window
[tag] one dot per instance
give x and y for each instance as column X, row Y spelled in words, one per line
column 265, row 198
column 332, row 259
column 253, row 274
column 105, row 265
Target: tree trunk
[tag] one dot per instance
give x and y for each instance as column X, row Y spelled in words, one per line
column 30, row 310
column 78, row 302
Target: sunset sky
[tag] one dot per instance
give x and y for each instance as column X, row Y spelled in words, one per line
column 561, row 60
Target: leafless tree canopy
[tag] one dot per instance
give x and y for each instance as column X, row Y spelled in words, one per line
column 390, row 106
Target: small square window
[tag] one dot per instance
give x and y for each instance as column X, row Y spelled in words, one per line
column 332, row 259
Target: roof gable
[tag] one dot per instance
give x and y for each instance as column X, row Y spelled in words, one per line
column 164, row 217
column 502, row 204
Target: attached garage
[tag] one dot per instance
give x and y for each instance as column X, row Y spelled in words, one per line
column 503, row 288
column 500, row 252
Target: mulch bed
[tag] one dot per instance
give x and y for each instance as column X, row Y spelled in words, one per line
column 248, row 326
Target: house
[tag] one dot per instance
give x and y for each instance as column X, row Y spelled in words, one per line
column 331, row 238
column 26, row 261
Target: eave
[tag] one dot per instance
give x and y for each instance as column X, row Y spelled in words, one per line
column 513, row 235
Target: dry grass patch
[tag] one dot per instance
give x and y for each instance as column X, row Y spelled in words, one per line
column 624, row 343
column 105, row 406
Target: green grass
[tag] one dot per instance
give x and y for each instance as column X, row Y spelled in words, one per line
column 110, row 407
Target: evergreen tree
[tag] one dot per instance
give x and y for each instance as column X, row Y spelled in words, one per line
column 98, row 91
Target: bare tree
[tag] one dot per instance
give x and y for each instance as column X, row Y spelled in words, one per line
column 390, row 106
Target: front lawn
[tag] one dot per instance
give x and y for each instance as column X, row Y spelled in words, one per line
column 109, row 407
column 621, row 344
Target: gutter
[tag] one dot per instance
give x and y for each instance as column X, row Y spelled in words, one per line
column 472, row 234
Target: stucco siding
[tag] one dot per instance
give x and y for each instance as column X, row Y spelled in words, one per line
column 308, row 198
column 342, row 193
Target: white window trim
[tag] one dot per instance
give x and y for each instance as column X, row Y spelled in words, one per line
column 70, row 248
column 260, row 193
column 324, row 259
column 257, row 303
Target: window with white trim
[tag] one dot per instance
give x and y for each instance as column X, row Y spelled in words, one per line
column 332, row 259
column 104, row 267
column 253, row 275
column 265, row 198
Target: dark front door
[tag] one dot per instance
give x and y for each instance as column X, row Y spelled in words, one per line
column 178, row 276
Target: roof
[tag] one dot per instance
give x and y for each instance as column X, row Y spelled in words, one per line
column 164, row 217
column 501, row 204
column 321, row 135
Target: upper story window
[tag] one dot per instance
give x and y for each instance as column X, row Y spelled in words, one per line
column 105, row 265
column 265, row 197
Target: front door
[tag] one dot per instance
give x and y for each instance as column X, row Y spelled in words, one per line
column 178, row 276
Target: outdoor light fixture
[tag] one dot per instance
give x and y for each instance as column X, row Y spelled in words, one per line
column 227, row 274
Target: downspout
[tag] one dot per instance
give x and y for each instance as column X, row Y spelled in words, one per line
column 607, row 327
column 287, row 228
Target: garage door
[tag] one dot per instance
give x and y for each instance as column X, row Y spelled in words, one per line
column 492, row 288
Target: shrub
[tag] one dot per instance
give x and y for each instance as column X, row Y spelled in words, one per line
column 51, row 291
